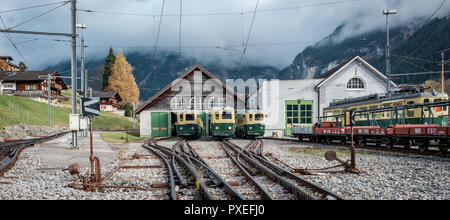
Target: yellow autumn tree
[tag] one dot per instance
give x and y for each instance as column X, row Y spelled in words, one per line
column 123, row 82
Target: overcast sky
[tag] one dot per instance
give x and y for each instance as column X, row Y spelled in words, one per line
column 282, row 28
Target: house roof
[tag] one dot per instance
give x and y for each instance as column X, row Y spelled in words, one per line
column 106, row 95
column 333, row 72
column 22, row 76
column 166, row 89
column 6, row 58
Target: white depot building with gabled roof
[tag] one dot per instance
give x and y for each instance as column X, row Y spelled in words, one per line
column 300, row 102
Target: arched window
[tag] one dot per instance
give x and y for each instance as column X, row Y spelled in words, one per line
column 355, row 83
column 173, row 103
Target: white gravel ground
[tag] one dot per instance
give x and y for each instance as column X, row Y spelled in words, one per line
column 386, row 175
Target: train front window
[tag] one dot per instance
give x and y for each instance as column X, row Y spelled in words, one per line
column 250, row 117
column 259, row 117
column 190, row 117
column 227, row 115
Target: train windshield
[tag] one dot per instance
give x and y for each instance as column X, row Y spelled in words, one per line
column 259, row 117
column 227, row 115
column 190, row 117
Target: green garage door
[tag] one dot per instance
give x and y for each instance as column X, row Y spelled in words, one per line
column 160, row 124
column 298, row 113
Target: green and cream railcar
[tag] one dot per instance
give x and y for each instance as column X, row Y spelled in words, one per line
column 189, row 125
column 251, row 124
column 223, row 124
column 427, row 115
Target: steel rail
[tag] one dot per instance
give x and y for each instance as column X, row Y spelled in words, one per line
column 253, row 181
column 9, row 152
column 271, row 174
column 173, row 195
column 193, row 155
column 200, row 185
column 287, row 174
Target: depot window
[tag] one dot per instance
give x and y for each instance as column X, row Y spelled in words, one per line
column 355, row 83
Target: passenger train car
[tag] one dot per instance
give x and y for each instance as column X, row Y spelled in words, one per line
column 189, row 125
column 251, row 124
column 413, row 118
column 223, row 124
column 403, row 97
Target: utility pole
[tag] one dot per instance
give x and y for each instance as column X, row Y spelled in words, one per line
column 82, row 86
column 49, row 78
column 388, row 49
column 73, row 9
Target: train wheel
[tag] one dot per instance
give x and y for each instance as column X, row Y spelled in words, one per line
column 389, row 143
column 443, row 149
column 423, row 148
column 344, row 141
column 408, row 144
column 443, row 146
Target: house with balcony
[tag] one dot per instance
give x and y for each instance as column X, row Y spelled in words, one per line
column 7, row 65
column 33, row 85
column 109, row 101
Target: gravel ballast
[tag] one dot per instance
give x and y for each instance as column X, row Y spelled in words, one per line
column 386, row 176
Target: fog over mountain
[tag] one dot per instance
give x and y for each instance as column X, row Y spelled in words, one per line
column 281, row 29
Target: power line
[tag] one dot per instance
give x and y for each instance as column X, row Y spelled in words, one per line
column 248, row 37
column 179, row 36
column 219, row 13
column 415, row 58
column 434, row 13
column 8, row 36
column 31, row 7
column 33, row 18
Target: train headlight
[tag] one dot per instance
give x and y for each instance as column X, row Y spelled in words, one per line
column 229, row 128
column 181, row 128
column 192, row 128
column 217, row 127
column 250, row 128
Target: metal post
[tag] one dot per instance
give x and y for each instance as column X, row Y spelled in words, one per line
column 85, row 82
column 49, row 100
column 134, row 116
column 74, row 65
column 388, row 57
column 388, row 51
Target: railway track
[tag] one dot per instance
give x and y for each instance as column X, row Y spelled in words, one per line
column 297, row 186
column 10, row 151
column 369, row 146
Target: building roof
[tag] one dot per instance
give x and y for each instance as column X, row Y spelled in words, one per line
column 22, row 76
column 160, row 94
column 6, row 58
column 106, row 95
column 331, row 73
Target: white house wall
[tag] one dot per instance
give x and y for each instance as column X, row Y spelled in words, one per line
column 336, row 87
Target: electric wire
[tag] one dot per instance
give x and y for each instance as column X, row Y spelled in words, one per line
column 248, row 37
column 38, row 16
column 8, row 36
column 31, row 7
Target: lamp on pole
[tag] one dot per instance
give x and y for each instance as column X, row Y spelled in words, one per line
column 388, row 49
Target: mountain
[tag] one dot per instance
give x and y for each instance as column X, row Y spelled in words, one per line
column 413, row 46
column 168, row 66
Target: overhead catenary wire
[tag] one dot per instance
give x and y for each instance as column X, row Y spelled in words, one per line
column 248, row 37
column 219, row 13
column 8, row 36
column 38, row 16
column 35, row 6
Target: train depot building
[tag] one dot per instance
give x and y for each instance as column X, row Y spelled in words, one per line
column 286, row 103
column 290, row 103
column 195, row 90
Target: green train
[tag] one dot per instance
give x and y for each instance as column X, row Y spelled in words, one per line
column 223, row 124
column 407, row 95
column 189, row 125
column 251, row 125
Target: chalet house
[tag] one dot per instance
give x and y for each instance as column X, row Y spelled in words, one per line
column 7, row 65
column 32, row 84
column 109, row 101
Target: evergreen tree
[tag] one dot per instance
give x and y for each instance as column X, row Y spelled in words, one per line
column 22, row 66
column 123, row 82
column 109, row 62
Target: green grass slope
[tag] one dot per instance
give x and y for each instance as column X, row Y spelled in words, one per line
column 20, row 110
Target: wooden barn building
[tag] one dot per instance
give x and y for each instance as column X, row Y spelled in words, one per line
column 195, row 90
